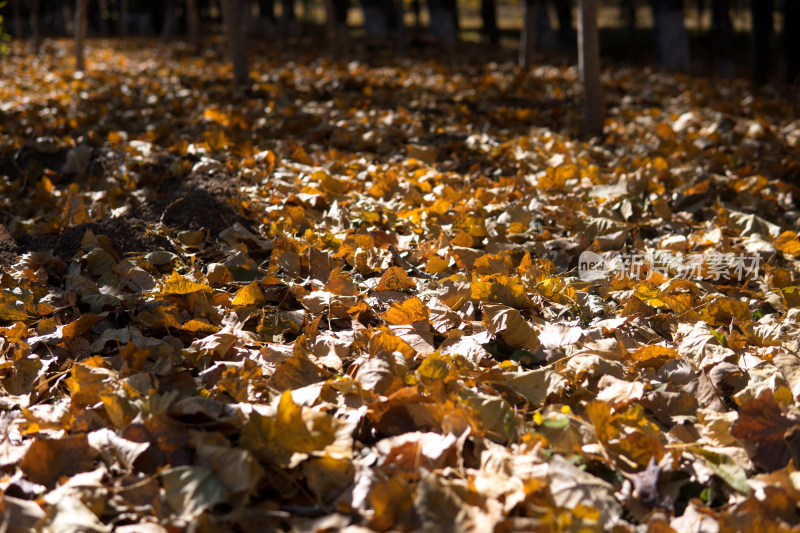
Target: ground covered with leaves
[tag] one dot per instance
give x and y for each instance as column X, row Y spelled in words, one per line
column 348, row 297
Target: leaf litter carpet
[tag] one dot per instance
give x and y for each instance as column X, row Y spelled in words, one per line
column 385, row 294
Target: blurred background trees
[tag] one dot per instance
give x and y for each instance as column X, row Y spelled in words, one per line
column 724, row 38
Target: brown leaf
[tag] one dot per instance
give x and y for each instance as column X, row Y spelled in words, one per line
column 48, row 460
column 772, row 438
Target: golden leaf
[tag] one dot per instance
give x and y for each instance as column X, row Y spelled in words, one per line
column 788, row 243
column 434, row 366
column 177, row 284
column 249, row 295
column 395, row 279
column 409, row 311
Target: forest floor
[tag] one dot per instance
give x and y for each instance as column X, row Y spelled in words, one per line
column 382, row 293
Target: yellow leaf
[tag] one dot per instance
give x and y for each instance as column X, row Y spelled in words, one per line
column 651, row 297
column 474, row 225
column 500, row 289
column 87, row 384
column 721, row 311
column 177, row 284
column 199, row 326
column 788, row 243
column 664, row 131
column 249, row 295
column 436, row 264
column 328, row 182
column 295, row 434
column 80, row 326
column 409, row 311
column 389, row 498
column 386, row 342
column 395, row 279
column 434, row 367
column 641, row 448
column 653, row 354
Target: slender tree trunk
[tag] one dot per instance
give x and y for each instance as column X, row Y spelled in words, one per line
column 124, row 18
column 629, row 7
column 671, row 38
column 564, row 15
column 528, row 38
column 231, row 17
column 331, row 27
column 417, row 9
column 401, row 40
column 16, row 11
column 443, row 20
column 375, row 23
column 589, row 66
column 452, row 9
column 193, row 24
column 341, row 8
column 761, row 12
column 489, row 15
column 723, row 37
column 36, row 25
column 288, row 20
column 81, row 26
column 791, row 40
column 266, row 10
column 545, row 36
column 102, row 22
column 170, row 21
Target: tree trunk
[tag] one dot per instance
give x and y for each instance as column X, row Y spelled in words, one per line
column 589, row 66
column 124, row 18
column 723, row 37
column 761, row 12
column 400, row 37
column 629, row 7
column 528, row 37
column 36, row 25
column 331, row 26
column 545, row 36
column 416, row 8
column 564, row 15
column 16, row 11
column 489, row 15
column 341, row 7
column 231, row 17
column 452, row 9
column 170, row 21
column 671, row 38
column 193, row 25
column 791, row 40
column 81, row 25
column 443, row 20
column 288, row 20
column 375, row 23
column 101, row 22
column 266, row 10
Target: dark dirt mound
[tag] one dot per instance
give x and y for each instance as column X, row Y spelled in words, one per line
column 195, row 202
column 8, row 247
column 190, row 209
column 198, row 200
column 127, row 234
